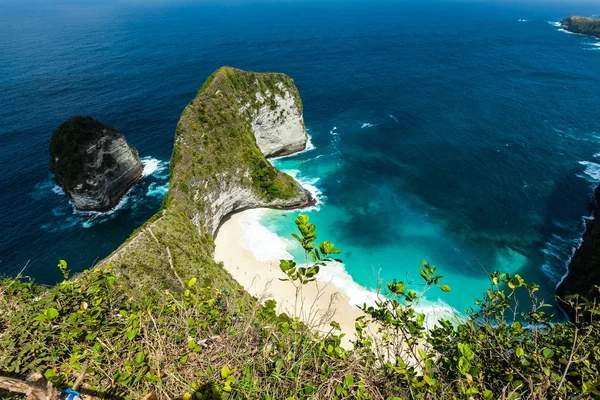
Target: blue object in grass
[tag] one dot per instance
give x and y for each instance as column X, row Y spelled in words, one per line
column 70, row 394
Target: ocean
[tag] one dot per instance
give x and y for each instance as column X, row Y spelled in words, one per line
column 461, row 133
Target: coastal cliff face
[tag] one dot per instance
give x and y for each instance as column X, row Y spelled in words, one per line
column 93, row 163
column 218, row 168
column 583, row 25
column 584, row 268
column 278, row 124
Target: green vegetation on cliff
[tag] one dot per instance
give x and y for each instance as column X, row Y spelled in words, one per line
column 203, row 342
column 583, row 25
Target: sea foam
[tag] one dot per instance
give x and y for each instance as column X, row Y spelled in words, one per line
column 592, row 171
column 152, row 166
column 309, row 184
column 264, row 244
column 155, row 171
column 366, row 125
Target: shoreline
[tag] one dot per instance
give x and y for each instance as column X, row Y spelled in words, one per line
column 319, row 303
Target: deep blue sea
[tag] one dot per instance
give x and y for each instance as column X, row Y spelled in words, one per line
column 463, row 133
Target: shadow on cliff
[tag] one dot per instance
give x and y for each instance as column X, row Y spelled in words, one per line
column 562, row 229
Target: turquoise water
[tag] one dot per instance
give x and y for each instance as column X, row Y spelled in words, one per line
column 442, row 130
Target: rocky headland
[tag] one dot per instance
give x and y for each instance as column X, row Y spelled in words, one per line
column 93, row 163
column 582, row 25
column 218, row 167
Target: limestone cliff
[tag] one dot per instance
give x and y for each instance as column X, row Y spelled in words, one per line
column 583, row 25
column 218, row 168
column 93, row 163
column 278, row 124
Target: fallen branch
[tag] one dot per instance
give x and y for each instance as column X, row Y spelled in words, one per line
column 35, row 387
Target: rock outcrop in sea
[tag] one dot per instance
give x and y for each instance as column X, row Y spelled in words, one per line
column 93, row 163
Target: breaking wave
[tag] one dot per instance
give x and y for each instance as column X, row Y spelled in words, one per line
column 153, row 186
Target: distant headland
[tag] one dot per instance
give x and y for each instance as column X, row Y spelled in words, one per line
column 583, row 25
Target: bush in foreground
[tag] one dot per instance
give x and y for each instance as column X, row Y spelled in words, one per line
column 206, row 343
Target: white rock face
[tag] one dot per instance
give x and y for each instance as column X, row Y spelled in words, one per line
column 279, row 130
column 232, row 197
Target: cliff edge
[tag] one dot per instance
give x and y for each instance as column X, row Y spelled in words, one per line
column 93, row 163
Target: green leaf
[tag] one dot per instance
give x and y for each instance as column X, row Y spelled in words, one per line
column 464, row 366
column 225, row 372
column 520, row 352
column 51, row 313
column 547, row 353
column 301, row 219
column 445, row 288
column 50, row 374
column 466, row 351
column 348, row 381
column 327, row 247
column 287, row 265
column 191, row 283
column 139, row 358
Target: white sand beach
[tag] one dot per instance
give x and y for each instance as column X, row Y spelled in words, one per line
column 319, row 303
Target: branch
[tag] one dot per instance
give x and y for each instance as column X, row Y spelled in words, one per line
column 35, row 387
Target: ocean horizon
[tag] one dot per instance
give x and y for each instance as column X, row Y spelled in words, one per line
column 461, row 133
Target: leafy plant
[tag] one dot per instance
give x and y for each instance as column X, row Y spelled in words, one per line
column 62, row 266
column 315, row 257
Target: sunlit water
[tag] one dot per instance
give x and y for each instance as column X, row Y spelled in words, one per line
column 442, row 131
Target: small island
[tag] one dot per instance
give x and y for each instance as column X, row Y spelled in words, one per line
column 582, row 25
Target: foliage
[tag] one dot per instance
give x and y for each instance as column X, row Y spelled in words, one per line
column 208, row 343
column 300, row 276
